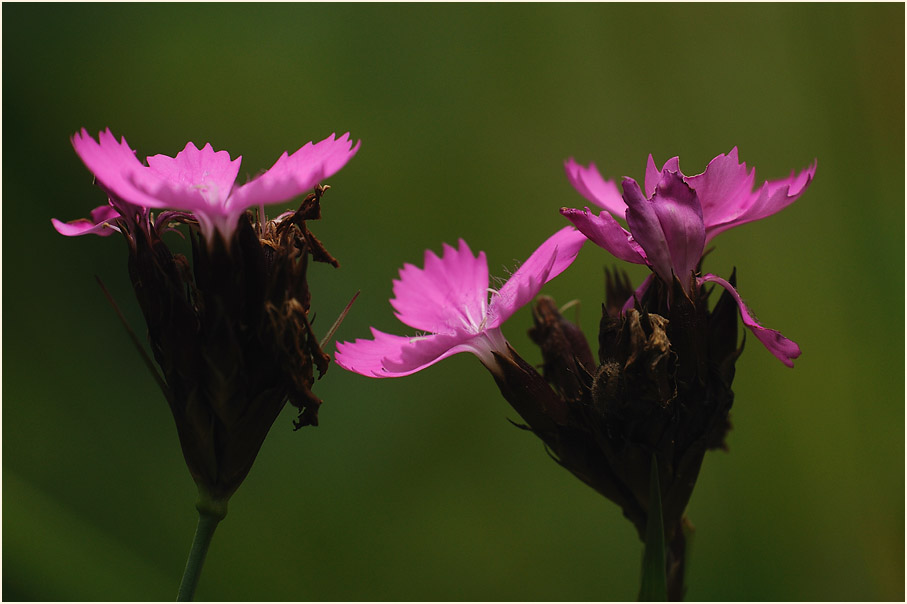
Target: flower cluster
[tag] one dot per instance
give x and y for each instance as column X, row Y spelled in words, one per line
column 231, row 334
column 229, row 330
column 661, row 385
column 669, row 226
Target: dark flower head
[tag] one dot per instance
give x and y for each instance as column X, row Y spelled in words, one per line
column 230, row 328
column 232, row 336
column 661, row 385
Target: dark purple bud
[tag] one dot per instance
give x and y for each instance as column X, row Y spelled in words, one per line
column 567, row 359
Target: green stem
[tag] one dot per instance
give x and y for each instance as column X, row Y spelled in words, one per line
column 654, row 579
column 210, row 513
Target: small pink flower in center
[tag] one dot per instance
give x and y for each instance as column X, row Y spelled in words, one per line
column 449, row 299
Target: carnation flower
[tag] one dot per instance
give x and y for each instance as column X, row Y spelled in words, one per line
column 449, row 299
column 200, row 181
column 669, row 225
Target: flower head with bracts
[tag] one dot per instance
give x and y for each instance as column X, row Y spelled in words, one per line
column 229, row 329
column 671, row 223
column 643, row 414
column 658, row 396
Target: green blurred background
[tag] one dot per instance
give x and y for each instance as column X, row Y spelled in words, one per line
column 419, row 488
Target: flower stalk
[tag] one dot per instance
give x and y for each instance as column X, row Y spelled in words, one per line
column 654, row 586
column 210, row 513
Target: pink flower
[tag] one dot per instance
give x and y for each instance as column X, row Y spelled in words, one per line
column 677, row 216
column 203, row 181
column 725, row 191
column 449, row 299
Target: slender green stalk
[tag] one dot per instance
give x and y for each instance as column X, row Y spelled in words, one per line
column 210, row 513
column 654, row 581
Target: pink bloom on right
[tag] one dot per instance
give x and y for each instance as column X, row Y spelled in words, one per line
column 675, row 216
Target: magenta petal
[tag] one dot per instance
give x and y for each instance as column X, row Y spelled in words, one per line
column 547, row 262
column 771, row 198
column 449, row 294
column 102, row 222
column 195, row 180
column 668, row 226
column 653, row 174
column 784, row 349
column 590, row 184
column 607, row 233
column 292, row 175
column 680, row 214
column 724, row 189
column 115, row 165
column 647, row 230
column 396, row 356
column 672, row 165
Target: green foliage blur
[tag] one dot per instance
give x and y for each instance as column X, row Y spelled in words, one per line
column 419, row 488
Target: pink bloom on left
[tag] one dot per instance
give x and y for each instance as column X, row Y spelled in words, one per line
column 200, row 181
column 449, row 299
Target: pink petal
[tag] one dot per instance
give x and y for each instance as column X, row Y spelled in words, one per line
column 547, row 262
column 396, row 356
column 449, row 294
column 668, row 226
column 653, row 174
column 680, row 214
column 102, row 222
column 607, row 233
column 784, row 349
column 114, row 165
column 771, row 198
column 647, row 230
column 724, row 189
column 186, row 182
column 590, row 184
column 195, row 180
column 292, row 175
